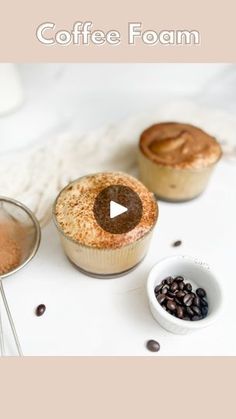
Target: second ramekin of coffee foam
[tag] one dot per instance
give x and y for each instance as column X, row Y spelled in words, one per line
column 176, row 160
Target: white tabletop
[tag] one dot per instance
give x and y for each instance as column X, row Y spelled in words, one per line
column 88, row 316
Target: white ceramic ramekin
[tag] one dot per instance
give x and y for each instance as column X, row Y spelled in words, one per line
column 199, row 275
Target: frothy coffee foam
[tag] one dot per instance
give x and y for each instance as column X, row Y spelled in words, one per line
column 180, row 146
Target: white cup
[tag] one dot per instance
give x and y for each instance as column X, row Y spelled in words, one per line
column 11, row 92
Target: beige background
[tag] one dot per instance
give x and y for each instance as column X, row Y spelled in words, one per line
column 117, row 388
column 215, row 21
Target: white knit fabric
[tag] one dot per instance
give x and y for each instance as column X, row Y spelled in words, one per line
column 35, row 176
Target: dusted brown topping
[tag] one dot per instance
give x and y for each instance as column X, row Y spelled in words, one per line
column 74, row 211
column 180, row 146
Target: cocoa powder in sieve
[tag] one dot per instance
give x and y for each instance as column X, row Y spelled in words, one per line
column 10, row 250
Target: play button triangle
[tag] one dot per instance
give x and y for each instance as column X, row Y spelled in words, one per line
column 116, row 209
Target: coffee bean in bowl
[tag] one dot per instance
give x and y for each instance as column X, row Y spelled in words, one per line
column 184, row 294
column 182, row 302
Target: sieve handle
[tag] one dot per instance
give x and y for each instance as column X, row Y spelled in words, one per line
column 2, row 349
column 13, row 329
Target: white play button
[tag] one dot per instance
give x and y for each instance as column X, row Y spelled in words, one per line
column 116, row 209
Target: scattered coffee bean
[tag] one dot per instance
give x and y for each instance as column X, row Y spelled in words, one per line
column 161, row 298
column 153, row 345
column 40, row 310
column 177, row 243
column 187, row 300
column 171, row 305
column 201, row 292
column 178, row 299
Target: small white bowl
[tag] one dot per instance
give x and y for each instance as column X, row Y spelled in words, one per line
column 199, row 275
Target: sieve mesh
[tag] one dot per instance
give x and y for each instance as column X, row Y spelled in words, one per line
column 19, row 236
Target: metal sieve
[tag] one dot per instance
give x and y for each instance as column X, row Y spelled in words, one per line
column 24, row 226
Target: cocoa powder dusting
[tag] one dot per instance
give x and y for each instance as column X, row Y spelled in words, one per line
column 10, row 250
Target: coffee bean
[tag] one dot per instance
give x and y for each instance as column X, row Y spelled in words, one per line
column 196, row 310
column 171, row 294
column 179, row 312
column 161, row 298
column 204, row 303
column 201, row 292
column 190, row 311
column 188, row 287
column 158, row 288
column 171, row 305
column 164, row 290
column 177, row 243
column 178, row 301
column 168, row 280
column 180, row 294
column 194, row 318
column 153, row 345
column 181, row 286
column 179, row 278
column 174, row 286
column 40, row 310
column 187, row 300
column 204, row 311
column 169, row 298
column 197, row 301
